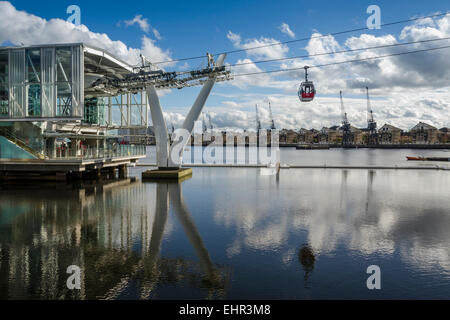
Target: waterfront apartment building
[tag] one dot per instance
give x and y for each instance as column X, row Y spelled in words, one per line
column 328, row 135
column 288, row 136
column 423, row 133
column 305, row 136
column 389, row 134
column 444, row 135
column 359, row 136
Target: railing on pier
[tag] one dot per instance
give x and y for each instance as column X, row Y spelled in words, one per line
column 93, row 153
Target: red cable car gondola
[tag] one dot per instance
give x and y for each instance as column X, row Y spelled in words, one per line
column 307, row 92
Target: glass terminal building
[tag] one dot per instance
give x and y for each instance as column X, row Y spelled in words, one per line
column 50, row 110
column 51, row 83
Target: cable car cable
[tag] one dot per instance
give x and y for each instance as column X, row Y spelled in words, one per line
column 332, row 34
column 342, row 62
column 338, row 52
column 307, row 38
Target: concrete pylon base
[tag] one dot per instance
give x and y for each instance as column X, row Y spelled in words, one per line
column 172, row 175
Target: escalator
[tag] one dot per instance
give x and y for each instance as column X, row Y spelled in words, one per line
column 12, row 146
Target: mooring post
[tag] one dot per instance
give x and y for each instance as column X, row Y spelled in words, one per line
column 123, row 171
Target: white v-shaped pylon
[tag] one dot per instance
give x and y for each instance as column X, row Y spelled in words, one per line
column 163, row 148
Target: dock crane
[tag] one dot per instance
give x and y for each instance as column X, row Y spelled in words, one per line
column 258, row 126
column 347, row 138
column 372, row 138
column 258, row 121
column 272, row 121
column 211, row 126
column 204, row 125
column 206, row 136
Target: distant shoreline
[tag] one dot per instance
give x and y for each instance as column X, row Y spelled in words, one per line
column 397, row 146
column 381, row 146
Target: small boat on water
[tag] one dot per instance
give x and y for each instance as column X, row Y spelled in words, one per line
column 416, row 159
column 428, row 159
column 439, row 159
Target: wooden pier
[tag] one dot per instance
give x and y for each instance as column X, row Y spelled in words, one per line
column 64, row 170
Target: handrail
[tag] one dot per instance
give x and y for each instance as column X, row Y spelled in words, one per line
column 93, row 153
column 83, row 153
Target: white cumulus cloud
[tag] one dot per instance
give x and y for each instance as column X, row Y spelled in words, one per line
column 19, row 27
column 287, row 30
column 264, row 51
column 140, row 21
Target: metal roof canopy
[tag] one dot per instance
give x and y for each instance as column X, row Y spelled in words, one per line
column 92, row 52
column 98, row 63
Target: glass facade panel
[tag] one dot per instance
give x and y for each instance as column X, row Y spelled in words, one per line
column 124, row 110
column 64, row 82
column 137, row 110
column 33, row 68
column 34, row 65
column 17, row 84
column 145, row 109
column 116, row 111
column 77, row 82
column 48, row 83
column 63, row 99
column 48, row 100
column 94, row 110
column 4, row 84
column 128, row 110
column 64, row 64
column 34, row 100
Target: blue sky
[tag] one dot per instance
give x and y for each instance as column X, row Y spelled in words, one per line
column 191, row 28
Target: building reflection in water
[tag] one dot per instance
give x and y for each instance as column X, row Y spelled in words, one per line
column 136, row 240
column 112, row 230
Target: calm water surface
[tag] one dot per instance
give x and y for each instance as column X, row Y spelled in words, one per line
column 231, row 234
